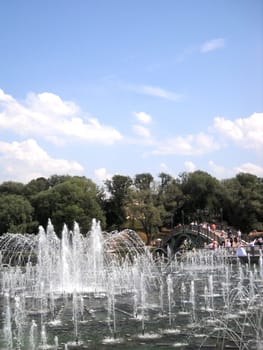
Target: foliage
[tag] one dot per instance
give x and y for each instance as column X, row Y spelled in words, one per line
column 15, row 214
column 35, row 186
column 119, row 195
column 204, row 196
column 75, row 199
column 12, row 187
column 144, row 208
column 143, row 181
column 140, row 203
column 172, row 198
column 245, row 196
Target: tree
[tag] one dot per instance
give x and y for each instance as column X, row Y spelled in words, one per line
column 15, row 214
column 115, row 206
column 12, row 187
column 144, row 209
column 245, row 201
column 44, row 203
column 57, row 179
column 165, row 180
column 143, row 181
column 203, row 195
column 75, row 199
column 171, row 197
column 35, row 186
column 146, row 213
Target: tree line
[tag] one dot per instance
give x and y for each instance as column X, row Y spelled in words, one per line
column 141, row 203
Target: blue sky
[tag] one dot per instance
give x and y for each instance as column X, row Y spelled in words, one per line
column 97, row 88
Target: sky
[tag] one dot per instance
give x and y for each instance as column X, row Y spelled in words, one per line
column 97, row 88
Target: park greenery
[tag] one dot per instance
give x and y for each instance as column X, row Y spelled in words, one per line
column 141, row 203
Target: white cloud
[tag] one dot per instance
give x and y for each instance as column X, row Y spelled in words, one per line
column 143, row 117
column 101, row 174
column 48, row 116
column 188, row 145
column 164, row 167
column 159, row 92
column 212, row 45
column 246, row 132
column 48, row 103
column 204, row 48
column 217, row 170
column 5, row 98
column 221, row 172
column 26, row 160
column 250, row 168
column 190, row 166
column 141, row 131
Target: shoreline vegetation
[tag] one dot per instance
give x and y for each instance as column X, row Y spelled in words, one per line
column 142, row 203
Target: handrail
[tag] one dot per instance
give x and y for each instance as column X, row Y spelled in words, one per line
column 197, row 229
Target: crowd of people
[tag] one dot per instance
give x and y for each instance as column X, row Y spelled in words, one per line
column 233, row 241
column 227, row 238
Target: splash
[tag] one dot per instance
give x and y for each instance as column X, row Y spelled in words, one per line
column 96, row 289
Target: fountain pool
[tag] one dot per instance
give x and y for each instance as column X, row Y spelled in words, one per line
column 107, row 291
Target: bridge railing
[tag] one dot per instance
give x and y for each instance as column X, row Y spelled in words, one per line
column 207, row 234
column 211, row 235
column 199, row 229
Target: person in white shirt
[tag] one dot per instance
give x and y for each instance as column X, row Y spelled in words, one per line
column 227, row 243
column 251, row 243
column 241, row 251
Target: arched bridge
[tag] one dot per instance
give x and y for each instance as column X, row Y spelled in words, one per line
column 188, row 237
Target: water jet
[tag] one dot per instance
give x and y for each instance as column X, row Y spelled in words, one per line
column 100, row 289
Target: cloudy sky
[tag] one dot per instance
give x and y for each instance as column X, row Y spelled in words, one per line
column 97, row 88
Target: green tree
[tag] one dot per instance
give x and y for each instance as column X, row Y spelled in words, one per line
column 171, row 197
column 75, row 199
column 35, row 186
column 119, row 195
column 12, row 187
column 15, row 214
column 143, row 181
column 245, row 201
column 145, row 211
column 57, row 179
column 44, row 203
column 203, row 194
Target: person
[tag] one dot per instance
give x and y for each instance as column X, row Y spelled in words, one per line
column 214, row 245
column 213, row 227
column 222, row 241
column 251, row 245
column 241, row 251
column 227, row 244
column 235, row 242
column 252, row 242
column 210, row 245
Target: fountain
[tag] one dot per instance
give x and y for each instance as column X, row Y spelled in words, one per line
column 103, row 290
